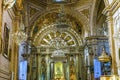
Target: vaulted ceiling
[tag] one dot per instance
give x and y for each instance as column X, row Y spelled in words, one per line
column 81, row 11
column 39, row 7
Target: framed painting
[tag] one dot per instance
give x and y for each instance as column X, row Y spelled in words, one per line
column 6, row 41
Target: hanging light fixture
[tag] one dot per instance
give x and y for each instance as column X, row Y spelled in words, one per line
column 104, row 57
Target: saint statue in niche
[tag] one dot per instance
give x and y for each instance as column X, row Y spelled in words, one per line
column 72, row 71
column 43, row 69
column 59, row 70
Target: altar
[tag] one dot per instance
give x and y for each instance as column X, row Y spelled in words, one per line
column 55, row 65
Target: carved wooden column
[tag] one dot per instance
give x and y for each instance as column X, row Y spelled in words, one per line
column 48, row 68
column 109, row 11
column 80, row 63
column 68, row 67
column 39, row 66
column 48, row 65
column 77, row 63
column 14, row 55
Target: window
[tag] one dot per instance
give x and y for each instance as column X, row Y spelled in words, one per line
column 110, row 1
column 59, row 0
column 116, row 19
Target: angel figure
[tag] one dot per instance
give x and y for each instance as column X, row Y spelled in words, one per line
column 8, row 3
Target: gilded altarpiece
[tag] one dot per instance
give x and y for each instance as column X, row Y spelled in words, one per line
column 57, row 55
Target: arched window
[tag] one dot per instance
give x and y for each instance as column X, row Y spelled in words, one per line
column 22, row 62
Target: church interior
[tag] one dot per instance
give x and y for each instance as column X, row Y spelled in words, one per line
column 59, row 40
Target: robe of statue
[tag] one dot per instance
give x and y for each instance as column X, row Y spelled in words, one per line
column 43, row 70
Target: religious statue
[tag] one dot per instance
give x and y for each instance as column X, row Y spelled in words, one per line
column 20, row 4
column 43, row 69
column 8, row 3
column 72, row 70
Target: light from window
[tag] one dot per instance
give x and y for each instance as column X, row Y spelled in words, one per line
column 58, row 0
column 116, row 18
column 110, row 1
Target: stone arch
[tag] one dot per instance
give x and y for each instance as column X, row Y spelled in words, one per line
column 51, row 28
column 80, row 17
column 106, row 2
column 94, row 16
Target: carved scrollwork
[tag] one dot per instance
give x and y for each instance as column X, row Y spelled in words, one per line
column 8, row 3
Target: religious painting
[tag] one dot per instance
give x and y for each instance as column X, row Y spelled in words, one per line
column 58, row 70
column 5, row 41
column 72, row 70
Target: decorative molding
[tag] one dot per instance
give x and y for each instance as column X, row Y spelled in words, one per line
column 49, row 28
column 33, row 11
column 86, row 6
column 112, row 8
column 82, row 9
column 86, row 13
column 106, row 3
column 7, row 4
column 11, row 13
column 94, row 39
